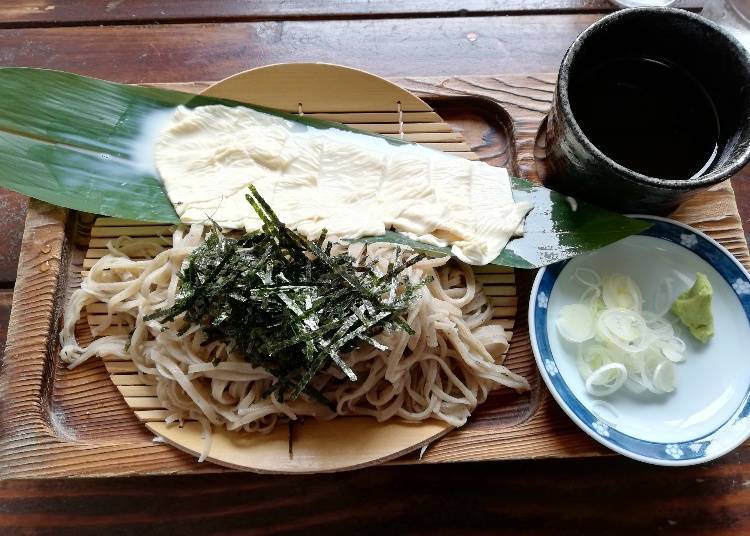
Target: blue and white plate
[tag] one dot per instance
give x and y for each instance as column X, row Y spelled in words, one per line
column 707, row 414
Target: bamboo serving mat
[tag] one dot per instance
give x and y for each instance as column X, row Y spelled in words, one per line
column 58, row 422
column 410, row 119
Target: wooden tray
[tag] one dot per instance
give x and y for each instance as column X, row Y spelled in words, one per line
column 57, row 422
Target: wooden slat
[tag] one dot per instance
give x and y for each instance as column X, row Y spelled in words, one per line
column 152, row 415
column 492, row 269
column 91, row 261
column 130, row 391
column 115, row 329
column 371, row 118
column 409, row 128
column 134, row 231
column 6, row 298
column 499, row 290
column 501, row 302
column 120, row 367
column 504, row 311
column 502, row 278
column 143, row 402
column 448, row 147
column 99, row 319
column 102, row 242
column 144, row 53
column 76, row 12
column 114, row 358
column 126, row 379
column 428, row 138
column 96, row 308
column 12, row 216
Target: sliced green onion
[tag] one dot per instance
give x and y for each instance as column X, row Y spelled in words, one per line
column 664, row 376
column 619, row 343
column 620, row 291
column 588, row 278
column 592, row 358
column 624, row 328
column 576, row 322
column 673, row 349
column 606, row 379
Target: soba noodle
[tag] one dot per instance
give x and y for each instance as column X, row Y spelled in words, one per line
column 447, row 367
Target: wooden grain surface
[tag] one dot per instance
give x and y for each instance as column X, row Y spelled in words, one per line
column 589, row 496
column 12, row 217
column 84, row 12
column 6, row 298
column 602, row 496
column 386, row 47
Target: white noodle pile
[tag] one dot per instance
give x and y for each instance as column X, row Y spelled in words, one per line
column 442, row 371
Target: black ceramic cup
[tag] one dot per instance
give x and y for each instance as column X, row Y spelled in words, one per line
column 704, row 53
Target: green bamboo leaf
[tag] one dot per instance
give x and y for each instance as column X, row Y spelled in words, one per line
column 557, row 228
column 77, row 142
column 72, row 141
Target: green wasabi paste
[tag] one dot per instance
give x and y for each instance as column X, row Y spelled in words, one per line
column 693, row 308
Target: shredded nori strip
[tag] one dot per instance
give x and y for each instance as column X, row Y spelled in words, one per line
column 286, row 304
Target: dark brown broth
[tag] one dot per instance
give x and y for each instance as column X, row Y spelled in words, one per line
column 650, row 116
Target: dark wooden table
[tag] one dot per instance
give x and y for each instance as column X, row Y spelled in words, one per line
column 173, row 41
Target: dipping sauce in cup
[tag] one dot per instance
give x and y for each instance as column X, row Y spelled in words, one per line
column 651, row 105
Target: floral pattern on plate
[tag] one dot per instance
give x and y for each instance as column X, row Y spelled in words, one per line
column 674, row 450
column 667, row 452
column 601, row 428
column 688, row 240
column 741, row 287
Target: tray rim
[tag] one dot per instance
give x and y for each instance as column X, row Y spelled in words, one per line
column 51, row 226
